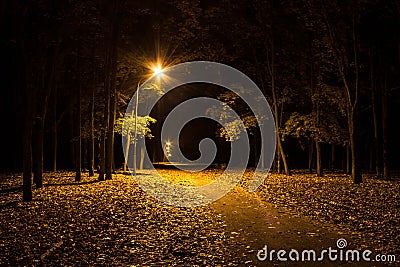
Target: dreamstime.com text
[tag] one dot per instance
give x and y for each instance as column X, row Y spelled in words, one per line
column 333, row 254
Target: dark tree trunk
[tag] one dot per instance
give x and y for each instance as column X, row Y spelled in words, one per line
column 311, row 156
column 105, row 157
column 91, row 137
column 78, row 142
column 385, row 133
column 84, row 154
column 27, row 159
column 127, row 146
column 91, row 151
column 77, row 128
column 317, row 115
column 375, row 115
column 271, row 70
column 283, row 156
column 47, row 73
column 71, row 137
column 320, row 172
column 112, row 90
column 38, row 136
column 348, row 159
column 353, row 127
column 102, row 156
column 54, row 131
column 110, row 137
column 28, row 110
column 278, row 161
column 281, row 152
column 355, row 164
column 351, row 87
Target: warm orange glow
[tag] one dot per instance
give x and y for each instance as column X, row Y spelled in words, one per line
column 158, row 70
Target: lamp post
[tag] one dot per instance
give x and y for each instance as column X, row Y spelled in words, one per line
column 135, row 138
column 157, row 71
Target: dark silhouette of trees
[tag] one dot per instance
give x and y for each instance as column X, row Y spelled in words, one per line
column 38, row 45
column 328, row 69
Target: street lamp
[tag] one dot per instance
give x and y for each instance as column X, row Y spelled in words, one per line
column 135, row 138
column 157, row 71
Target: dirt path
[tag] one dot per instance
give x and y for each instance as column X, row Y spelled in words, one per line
column 254, row 224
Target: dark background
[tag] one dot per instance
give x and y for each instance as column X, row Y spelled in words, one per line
column 178, row 32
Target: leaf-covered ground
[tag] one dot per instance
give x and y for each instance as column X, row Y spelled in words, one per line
column 369, row 212
column 115, row 223
column 105, row 223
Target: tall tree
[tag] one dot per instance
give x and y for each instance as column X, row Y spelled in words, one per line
column 28, row 105
column 381, row 38
column 338, row 25
column 267, row 21
column 91, row 121
column 37, row 83
column 110, row 85
column 77, row 119
column 344, row 43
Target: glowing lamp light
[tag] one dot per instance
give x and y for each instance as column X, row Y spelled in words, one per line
column 158, row 70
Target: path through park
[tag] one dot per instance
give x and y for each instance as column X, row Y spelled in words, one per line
column 256, row 224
